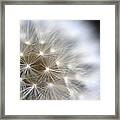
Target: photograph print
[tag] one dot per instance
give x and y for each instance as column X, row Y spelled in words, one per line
column 60, row 59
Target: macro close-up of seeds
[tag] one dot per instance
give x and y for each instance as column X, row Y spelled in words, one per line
column 59, row 60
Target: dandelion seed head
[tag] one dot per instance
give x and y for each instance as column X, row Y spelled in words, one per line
column 52, row 66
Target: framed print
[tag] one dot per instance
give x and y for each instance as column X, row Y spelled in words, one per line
column 59, row 59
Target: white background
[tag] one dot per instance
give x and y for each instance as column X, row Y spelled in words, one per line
column 106, row 15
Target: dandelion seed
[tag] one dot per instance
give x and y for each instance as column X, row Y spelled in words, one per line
column 66, row 79
column 42, row 42
column 21, row 54
column 57, row 62
column 52, row 50
column 28, row 66
column 50, row 85
column 28, row 42
column 34, row 86
column 69, row 66
column 41, row 53
column 71, row 92
column 47, row 69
